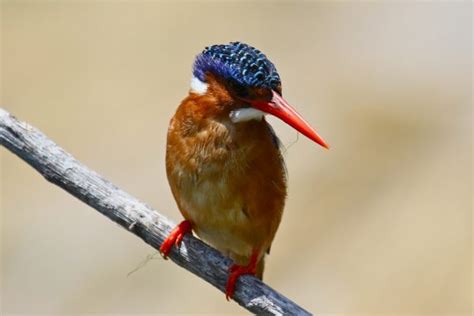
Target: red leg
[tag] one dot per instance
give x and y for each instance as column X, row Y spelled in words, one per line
column 175, row 237
column 237, row 270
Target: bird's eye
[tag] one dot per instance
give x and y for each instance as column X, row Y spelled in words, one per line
column 239, row 90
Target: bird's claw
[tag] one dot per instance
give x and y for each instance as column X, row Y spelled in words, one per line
column 235, row 272
column 175, row 238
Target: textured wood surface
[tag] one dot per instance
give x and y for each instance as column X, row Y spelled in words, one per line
column 62, row 169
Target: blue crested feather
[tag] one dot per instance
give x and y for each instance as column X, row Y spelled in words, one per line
column 237, row 61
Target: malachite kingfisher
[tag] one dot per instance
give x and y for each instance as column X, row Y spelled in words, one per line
column 223, row 160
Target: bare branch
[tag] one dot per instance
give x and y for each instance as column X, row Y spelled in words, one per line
column 60, row 168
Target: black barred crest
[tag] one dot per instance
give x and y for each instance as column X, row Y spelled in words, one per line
column 237, row 61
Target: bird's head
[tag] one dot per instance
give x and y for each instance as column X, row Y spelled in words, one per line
column 248, row 82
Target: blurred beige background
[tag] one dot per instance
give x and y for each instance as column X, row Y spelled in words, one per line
column 380, row 224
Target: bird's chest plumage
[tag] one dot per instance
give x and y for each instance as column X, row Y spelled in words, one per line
column 228, row 181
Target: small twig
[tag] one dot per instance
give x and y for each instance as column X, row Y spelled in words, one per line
column 144, row 262
column 60, row 168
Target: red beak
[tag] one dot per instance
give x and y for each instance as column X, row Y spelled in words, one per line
column 281, row 109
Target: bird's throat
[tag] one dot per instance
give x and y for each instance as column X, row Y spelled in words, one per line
column 245, row 114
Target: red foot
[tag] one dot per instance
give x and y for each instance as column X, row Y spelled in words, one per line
column 175, row 237
column 236, row 271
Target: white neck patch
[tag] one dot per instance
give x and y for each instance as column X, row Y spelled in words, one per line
column 197, row 86
column 245, row 114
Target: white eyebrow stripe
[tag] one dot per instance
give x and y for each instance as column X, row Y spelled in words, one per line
column 197, row 86
column 245, row 114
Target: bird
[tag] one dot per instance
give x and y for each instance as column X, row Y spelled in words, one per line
column 223, row 159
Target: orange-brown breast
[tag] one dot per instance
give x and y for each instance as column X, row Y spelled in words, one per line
column 227, row 179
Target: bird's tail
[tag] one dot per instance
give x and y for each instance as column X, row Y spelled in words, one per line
column 260, row 268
